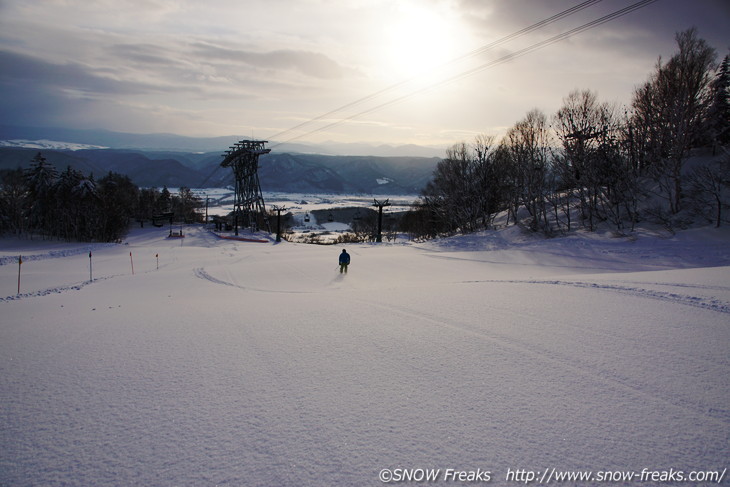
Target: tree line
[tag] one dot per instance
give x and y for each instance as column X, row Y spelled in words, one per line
column 593, row 162
column 40, row 201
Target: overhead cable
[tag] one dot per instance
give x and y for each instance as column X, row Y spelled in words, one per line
column 476, row 52
column 509, row 57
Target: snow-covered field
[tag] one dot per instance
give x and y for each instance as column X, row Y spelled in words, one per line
column 258, row 364
column 221, row 201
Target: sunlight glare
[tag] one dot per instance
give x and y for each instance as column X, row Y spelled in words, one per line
column 419, row 39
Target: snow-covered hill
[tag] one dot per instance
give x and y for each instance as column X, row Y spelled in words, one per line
column 258, row 364
column 45, row 144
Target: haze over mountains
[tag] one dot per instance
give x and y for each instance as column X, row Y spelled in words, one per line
column 156, row 160
column 180, row 143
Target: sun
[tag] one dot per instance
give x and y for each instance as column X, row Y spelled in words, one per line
column 419, row 39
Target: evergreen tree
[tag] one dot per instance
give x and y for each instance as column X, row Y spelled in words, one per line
column 88, row 207
column 186, row 205
column 12, row 201
column 164, row 201
column 147, row 203
column 119, row 197
column 66, row 210
column 40, row 180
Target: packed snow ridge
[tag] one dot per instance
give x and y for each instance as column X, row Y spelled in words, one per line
column 201, row 361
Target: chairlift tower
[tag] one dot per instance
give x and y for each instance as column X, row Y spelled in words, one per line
column 379, row 205
column 278, row 210
column 248, row 204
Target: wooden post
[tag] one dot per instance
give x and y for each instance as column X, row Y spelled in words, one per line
column 20, row 263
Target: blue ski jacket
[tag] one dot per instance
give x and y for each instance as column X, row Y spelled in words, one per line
column 344, row 258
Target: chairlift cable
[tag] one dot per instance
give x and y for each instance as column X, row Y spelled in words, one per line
column 470, row 72
column 473, row 53
column 218, row 166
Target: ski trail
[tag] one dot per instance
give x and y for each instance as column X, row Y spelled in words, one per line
column 554, row 358
column 58, row 289
column 55, row 254
column 201, row 273
column 712, row 304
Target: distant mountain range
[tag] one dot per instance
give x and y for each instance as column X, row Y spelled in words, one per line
column 178, row 143
column 344, row 174
column 157, row 160
column 278, row 171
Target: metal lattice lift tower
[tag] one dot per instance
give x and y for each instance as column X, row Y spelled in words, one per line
column 248, row 205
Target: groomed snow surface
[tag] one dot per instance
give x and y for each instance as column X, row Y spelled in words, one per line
column 258, row 364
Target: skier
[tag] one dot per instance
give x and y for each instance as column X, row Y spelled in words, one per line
column 344, row 261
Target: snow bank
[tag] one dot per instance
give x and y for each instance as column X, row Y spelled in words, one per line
column 238, row 363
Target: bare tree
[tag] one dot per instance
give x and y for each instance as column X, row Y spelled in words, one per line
column 578, row 127
column 710, row 187
column 669, row 111
column 528, row 143
column 466, row 190
column 488, row 178
column 593, row 164
column 718, row 114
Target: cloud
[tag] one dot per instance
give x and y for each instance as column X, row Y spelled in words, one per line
column 146, row 55
column 22, row 69
column 37, row 92
column 263, row 63
column 648, row 30
column 312, row 64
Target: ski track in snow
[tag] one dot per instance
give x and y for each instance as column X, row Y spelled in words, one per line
column 250, row 364
column 676, row 298
column 46, row 292
column 712, row 304
column 57, row 289
column 201, row 273
column 53, row 254
column 573, row 364
column 546, row 355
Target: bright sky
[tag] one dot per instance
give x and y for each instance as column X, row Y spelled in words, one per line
column 257, row 68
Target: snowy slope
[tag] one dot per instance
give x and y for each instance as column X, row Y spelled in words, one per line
column 260, row 365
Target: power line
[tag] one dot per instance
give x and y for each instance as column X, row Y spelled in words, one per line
column 473, row 53
column 464, row 74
